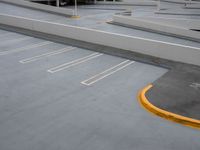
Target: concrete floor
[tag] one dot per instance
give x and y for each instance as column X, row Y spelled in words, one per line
column 40, row 110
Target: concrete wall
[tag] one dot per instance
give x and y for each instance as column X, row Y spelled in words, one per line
column 175, row 52
column 161, row 27
column 47, row 8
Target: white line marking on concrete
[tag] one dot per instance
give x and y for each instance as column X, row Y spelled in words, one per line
column 38, row 57
column 14, row 40
column 25, row 48
column 74, row 62
column 107, row 73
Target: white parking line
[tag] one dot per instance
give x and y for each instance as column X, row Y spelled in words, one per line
column 74, row 62
column 107, row 73
column 14, row 40
column 25, row 48
column 38, row 57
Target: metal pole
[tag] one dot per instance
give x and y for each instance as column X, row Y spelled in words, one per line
column 57, row 3
column 158, row 5
column 75, row 8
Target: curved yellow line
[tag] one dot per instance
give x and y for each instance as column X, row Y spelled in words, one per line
column 165, row 114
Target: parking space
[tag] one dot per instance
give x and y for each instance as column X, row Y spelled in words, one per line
column 47, row 53
column 55, row 96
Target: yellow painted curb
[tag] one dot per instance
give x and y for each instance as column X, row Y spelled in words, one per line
column 75, row 17
column 165, row 114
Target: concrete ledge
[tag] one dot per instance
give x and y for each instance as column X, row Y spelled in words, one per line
column 160, row 27
column 169, row 12
column 159, row 49
column 42, row 7
column 165, row 114
column 178, row 22
column 192, row 6
column 180, row 1
column 133, row 3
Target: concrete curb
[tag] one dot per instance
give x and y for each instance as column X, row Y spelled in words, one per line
column 158, row 27
column 158, row 49
column 165, row 114
column 41, row 7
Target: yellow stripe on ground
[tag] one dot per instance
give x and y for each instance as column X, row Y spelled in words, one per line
column 194, row 123
column 75, row 17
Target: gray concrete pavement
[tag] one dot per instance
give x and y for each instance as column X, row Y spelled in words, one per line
column 44, row 111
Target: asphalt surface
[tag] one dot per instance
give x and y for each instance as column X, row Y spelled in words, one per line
column 178, row 92
column 43, row 110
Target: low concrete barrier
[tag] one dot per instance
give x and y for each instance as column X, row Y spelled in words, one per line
column 192, row 6
column 47, row 8
column 133, row 3
column 177, row 12
column 170, row 51
column 179, row 22
column 159, row 27
column 180, row 1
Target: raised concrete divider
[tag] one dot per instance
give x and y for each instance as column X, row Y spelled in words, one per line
column 164, row 28
column 180, row 1
column 42, row 7
column 170, row 51
column 179, row 22
column 176, row 12
column 133, row 3
column 192, row 6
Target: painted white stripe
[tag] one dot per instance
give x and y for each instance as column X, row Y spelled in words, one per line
column 107, row 73
column 74, row 62
column 38, row 57
column 14, row 40
column 25, row 48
